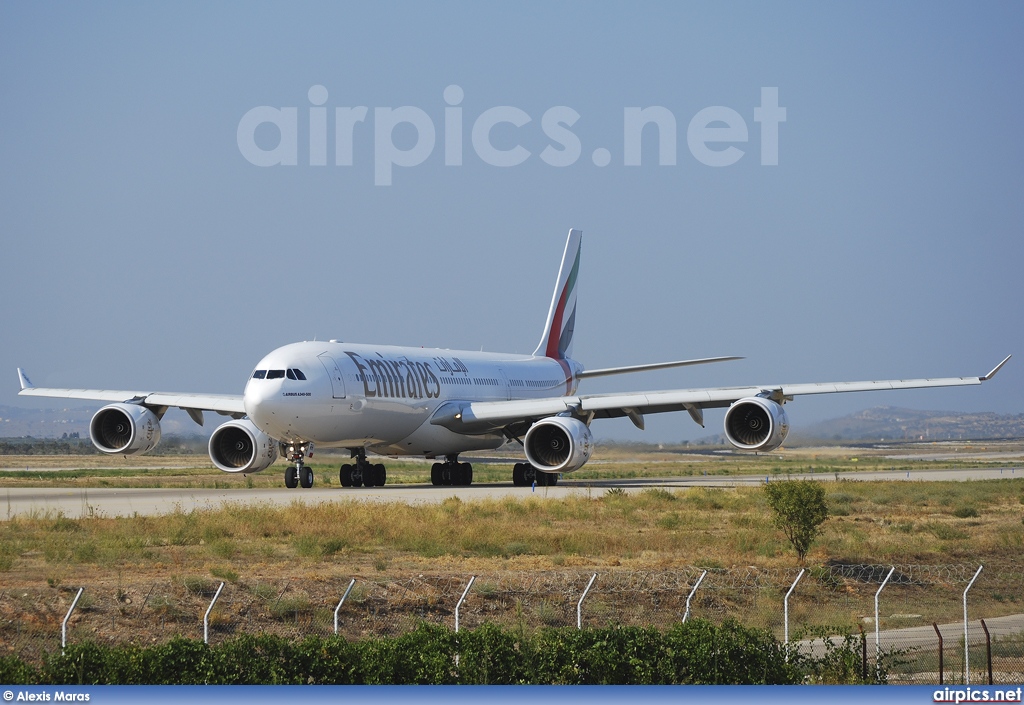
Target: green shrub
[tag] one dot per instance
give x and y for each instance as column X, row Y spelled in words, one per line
column 695, row 652
column 965, row 512
column 800, row 509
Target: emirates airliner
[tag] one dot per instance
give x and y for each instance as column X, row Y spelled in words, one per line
column 437, row 404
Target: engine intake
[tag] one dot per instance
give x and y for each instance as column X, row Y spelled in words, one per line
column 756, row 423
column 558, row 444
column 238, row 446
column 124, row 429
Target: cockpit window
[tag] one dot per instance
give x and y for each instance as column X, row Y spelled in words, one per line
column 259, row 374
column 298, row 374
column 275, row 374
column 291, row 374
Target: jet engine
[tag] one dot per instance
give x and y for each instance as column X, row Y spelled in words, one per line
column 124, row 429
column 756, row 423
column 238, row 446
column 558, row 444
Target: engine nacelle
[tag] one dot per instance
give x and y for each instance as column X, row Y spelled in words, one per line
column 238, row 446
column 756, row 423
column 124, row 429
column 558, row 444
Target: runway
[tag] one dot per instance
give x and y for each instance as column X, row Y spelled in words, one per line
column 112, row 502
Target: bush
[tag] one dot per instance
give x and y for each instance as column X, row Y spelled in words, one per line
column 695, row 652
column 800, row 509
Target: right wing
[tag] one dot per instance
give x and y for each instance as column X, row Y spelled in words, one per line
column 480, row 417
column 193, row 404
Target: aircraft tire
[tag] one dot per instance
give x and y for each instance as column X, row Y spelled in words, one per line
column 291, row 478
column 518, row 475
column 435, row 475
column 306, row 477
column 345, row 475
column 380, row 475
column 545, row 479
column 466, row 474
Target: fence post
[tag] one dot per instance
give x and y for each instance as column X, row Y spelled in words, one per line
column 878, row 648
column 464, row 593
column 64, row 624
column 863, row 654
column 988, row 650
column 786, row 604
column 690, row 597
column 939, row 634
column 967, row 646
column 206, row 617
column 579, row 605
column 347, row 591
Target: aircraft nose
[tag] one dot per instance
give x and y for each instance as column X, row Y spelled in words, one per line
column 256, row 400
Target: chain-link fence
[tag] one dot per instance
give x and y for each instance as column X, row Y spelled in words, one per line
column 827, row 600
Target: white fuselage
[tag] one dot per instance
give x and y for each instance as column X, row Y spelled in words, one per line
column 382, row 397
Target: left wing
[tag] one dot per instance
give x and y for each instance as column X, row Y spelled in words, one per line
column 477, row 417
column 193, row 404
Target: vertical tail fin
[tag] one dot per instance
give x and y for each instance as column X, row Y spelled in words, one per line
column 556, row 342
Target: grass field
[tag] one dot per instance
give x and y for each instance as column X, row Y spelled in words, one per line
column 607, row 531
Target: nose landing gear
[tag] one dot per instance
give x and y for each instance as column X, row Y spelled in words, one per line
column 300, row 474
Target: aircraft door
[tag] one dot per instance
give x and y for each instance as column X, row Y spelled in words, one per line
column 508, row 385
column 334, row 373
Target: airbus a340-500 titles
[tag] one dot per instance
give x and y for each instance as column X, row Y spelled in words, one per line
column 400, row 401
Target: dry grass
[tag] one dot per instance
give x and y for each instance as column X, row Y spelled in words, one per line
column 262, row 548
column 931, row 522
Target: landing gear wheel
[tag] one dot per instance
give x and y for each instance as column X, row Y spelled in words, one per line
column 466, row 474
column 546, row 479
column 380, row 475
column 436, row 478
column 291, row 478
column 306, row 477
column 345, row 475
column 518, row 475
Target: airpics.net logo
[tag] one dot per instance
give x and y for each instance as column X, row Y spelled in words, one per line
column 712, row 134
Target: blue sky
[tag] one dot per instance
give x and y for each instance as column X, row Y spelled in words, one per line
column 143, row 250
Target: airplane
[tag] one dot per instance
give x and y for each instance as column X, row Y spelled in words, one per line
column 438, row 403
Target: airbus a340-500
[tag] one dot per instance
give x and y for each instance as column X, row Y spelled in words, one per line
column 434, row 403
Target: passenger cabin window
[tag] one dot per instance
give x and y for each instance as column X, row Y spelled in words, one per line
column 275, row 374
column 259, row 374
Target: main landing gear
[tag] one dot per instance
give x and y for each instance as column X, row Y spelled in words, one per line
column 299, row 474
column 524, row 475
column 451, row 472
column 362, row 473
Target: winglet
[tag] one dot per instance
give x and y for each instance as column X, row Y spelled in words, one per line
column 995, row 369
column 26, row 383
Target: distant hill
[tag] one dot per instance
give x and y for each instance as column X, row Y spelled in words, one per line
column 16, row 422
column 890, row 423
column 884, row 422
column 895, row 424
